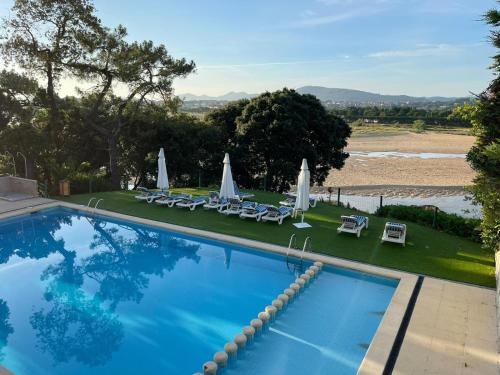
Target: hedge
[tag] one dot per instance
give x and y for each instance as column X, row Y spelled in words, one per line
column 449, row 223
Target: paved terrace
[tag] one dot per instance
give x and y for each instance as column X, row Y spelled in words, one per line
column 452, row 331
column 8, row 206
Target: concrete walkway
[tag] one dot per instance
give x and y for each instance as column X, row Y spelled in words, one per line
column 6, row 206
column 452, row 331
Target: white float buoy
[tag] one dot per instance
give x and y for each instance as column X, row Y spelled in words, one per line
column 310, row 273
column 300, row 281
column 295, row 287
column 278, row 304
column 264, row 317
column 221, row 358
column 210, row 368
column 306, row 277
column 249, row 332
column 284, row 298
column 241, row 341
column 319, row 265
column 231, row 349
column 271, row 310
column 314, row 268
column 290, row 293
column 257, row 325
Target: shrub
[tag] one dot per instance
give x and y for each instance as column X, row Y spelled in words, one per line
column 419, row 126
column 358, row 122
column 89, row 182
column 449, row 223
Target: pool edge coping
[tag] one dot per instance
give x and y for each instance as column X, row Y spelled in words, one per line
column 383, row 340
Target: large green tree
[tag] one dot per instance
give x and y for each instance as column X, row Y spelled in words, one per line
column 43, row 37
column 274, row 131
column 484, row 156
column 191, row 146
column 50, row 39
column 20, row 99
column 142, row 70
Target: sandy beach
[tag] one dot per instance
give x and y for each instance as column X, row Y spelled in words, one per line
column 413, row 142
column 445, row 174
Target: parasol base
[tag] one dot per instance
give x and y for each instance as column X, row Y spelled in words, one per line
column 302, row 225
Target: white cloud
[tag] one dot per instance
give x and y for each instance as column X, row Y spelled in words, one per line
column 419, row 51
column 308, row 13
column 349, row 2
column 272, row 63
column 323, row 20
column 345, row 9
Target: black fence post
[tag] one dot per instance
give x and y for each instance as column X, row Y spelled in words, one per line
column 338, row 197
column 381, row 201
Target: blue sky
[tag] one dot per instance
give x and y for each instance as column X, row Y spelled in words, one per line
column 415, row 47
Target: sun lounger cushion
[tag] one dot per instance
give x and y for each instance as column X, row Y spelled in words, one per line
column 359, row 219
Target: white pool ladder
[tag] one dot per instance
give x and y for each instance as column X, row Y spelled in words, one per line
column 98, row 201
column 96, row 204
column 292, row 245
column 306, row 247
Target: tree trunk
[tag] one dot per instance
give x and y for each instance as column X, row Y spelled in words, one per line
column 30, row 168
column 52, row 99
column 114, row 169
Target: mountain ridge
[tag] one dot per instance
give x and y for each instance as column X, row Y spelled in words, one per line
column 331, row 94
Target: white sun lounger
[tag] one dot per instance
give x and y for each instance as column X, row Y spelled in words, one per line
column 241, row 194
column 254, row 213
column 277, row 214
column 394, row 232
column 171, row 200
column 290, row 201
column 353, row 224
column 149, row 195
column 192, row 203
column 236, row 207
column 158, row 195
column 216, row 202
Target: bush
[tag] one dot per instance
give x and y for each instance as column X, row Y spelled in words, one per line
column 449, row 223
column 358, row 122
column 418, row 126
column 82, row 183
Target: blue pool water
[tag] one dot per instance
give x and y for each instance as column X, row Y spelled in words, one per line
column 82, row 295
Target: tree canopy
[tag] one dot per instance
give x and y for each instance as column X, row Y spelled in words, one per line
column 484, row 156
column 274, row 131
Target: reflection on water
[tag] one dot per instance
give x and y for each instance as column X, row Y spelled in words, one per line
column 5, row 327
column 78, row 322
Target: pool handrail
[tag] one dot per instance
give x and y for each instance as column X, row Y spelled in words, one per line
column 99, row 201
column 306, row 247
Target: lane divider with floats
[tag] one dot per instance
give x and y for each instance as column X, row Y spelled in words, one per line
column 258, row 326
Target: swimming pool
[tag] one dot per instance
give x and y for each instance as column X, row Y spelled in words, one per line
column 86, row 294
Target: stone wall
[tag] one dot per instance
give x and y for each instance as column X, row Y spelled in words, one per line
column 9, row 184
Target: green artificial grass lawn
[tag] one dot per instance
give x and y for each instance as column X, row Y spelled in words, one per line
column 427, row 251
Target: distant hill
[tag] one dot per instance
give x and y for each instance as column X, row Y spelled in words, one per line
column 230, row 96
column 336, row 95
column 332, row 95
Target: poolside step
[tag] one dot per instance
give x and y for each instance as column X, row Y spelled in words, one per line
column 260, row 325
